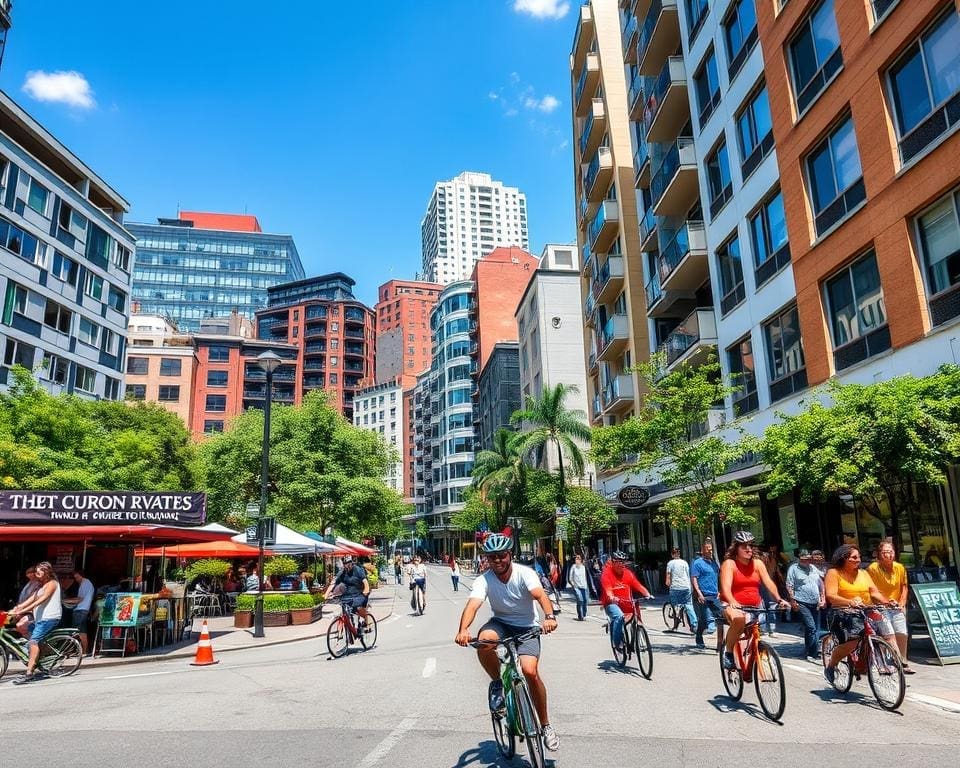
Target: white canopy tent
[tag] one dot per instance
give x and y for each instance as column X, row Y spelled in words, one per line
column 289, row 542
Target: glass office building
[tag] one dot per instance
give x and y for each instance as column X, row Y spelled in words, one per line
column 186, row 271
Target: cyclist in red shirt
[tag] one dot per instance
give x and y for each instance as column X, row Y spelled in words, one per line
column 617, row 585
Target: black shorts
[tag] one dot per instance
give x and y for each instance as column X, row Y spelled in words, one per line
column 529, row 647
column 80, row 621
column 355, row 601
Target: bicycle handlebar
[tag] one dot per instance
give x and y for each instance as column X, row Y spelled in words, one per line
column 516, row 640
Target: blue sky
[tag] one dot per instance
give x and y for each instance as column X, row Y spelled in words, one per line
column 328, row 121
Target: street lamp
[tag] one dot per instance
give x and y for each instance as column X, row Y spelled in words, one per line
column 268, row 361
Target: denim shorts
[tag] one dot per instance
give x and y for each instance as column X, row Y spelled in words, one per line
column 894, row 622
column 40, row 629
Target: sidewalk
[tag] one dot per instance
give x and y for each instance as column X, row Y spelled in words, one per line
column 225, row 637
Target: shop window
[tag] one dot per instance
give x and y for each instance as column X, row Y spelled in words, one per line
column 858, row 318
column 834, row 177
column 788, row 372
column 815, row 56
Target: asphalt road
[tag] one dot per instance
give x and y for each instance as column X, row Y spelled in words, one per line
column 419, row 700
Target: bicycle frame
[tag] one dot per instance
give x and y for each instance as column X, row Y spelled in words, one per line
column 860, row 655
column 19, row 647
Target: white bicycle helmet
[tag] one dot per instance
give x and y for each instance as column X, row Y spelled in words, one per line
column 743, row 537
column 497, row 542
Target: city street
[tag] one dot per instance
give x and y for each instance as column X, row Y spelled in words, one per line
column 419, row 700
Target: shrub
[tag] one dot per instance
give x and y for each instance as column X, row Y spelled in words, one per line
column 275, row 604
column 280, row 565
column 245, row 602
column 209, row 567
column 299, row 602
column 374, row 579
column 317, row 598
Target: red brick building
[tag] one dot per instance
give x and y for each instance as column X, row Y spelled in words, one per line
column 403, row 329
column 500, row 279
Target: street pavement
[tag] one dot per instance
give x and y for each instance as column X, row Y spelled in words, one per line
column 419, row 700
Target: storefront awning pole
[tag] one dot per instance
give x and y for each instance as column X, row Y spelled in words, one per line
column 83, row 557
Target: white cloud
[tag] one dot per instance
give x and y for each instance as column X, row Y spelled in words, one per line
column 547, row 104
column 70, row 88
column 542, row 9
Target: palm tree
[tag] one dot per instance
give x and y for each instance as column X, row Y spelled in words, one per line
column 499, row 474
column 549, row 423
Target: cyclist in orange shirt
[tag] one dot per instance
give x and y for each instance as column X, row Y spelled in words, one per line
column 617, row 585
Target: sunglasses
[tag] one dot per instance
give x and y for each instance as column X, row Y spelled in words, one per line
column 498, row 555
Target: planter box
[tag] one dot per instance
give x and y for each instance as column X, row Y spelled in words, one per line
column 243, row 619
column 276, row 619
column 301, row 616
column 316, row 613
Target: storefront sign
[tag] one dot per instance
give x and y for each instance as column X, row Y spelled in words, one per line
column 633, row 496
column 102, row 508
column 61, row 556
column 940, row 603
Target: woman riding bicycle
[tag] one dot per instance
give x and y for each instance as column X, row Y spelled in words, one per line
column 846, row 586
column 741, row 575
column 617, row 585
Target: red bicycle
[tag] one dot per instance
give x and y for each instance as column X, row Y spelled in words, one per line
column 758, row 661
column 349, row 627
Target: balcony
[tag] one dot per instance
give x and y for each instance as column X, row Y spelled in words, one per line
column 668, row 108
column 596, row 181
column 683, row 258
column 593, row 129
column 629, row 38
column 353, row 350
column 588, row 307
column 595, row 408
column 354, row 315
column 635, row 96
column 609, row 280
column 592, row 363
column 315, row 329
column 584, row 35
column 603, row 228
column 582, row 210
column 675, row 186
column 659, row 301
column 353, row 333
column 648, row 231
column 715, row 419
column 659, row 36
column 588, row 260
column 692, row 341
column 641, row 166
column 587, row 83
column 618, row 393
column 614, row 337
column 315, row 347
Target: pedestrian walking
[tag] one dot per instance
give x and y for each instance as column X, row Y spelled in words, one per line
column 705, row 581
column 455, row 574
column 805, row 587
column 398, row 568
column 890, row 578
column 578, row 581
column 81, row 605
column 678, row 582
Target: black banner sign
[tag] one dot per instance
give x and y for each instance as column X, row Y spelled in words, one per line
column 633, row 496
column 102, row 508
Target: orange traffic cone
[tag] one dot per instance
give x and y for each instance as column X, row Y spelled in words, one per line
column 204, row 655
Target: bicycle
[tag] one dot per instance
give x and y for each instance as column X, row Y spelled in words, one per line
column 872, row 655
column 636, row 641
column 755, row 660
column 60, row 655
column 674, row 616
column 345, row 630
column 519, row 716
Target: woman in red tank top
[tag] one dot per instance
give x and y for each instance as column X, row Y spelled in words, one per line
column 740, row 579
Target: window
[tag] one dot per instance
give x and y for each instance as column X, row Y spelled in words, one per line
column 743, row 376
column 718, row 177
column 58, row 317
column 210, row 427
column 755, row 131
column 815, row 56
column 334, row 361
column 64, row 268
column 731, row 275
column 138, row 366
column 111, row 388
column 740, row 31
column 169, row 366
column 19, row 353
column 93, row 285
column 136, row 392
column 37, row 197
column 168, row 393
column 706, row 81
column 88, row 332
column 15, row 301
column 85, row 379
column 117, row 299
column 216, row 378
column 939, row 238
column 55, row 368
column 70, row 221
column 121, row 257
column 216, row 403
column 218, row 354
column 834, row 177
column 22, row 243
column 109, row 342
column 696, row 12
column 768, row 236
column 880, row 8
column 788, row 373
column 925, row 86
column 858, row 319
column 98, row 246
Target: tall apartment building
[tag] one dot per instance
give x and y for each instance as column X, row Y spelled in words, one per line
column 201, row 265
column 333, row 332
column 5, row 22
column 379, row 409
column 498, row 393
column 65, row 261
column 161, row 365
column 403, row 329
column 467, row 217
column 606, row 198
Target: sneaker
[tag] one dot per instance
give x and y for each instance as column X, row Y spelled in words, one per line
column 700, row 644
column 813, row 660
column 495, row 696
column 26, row 678
column 728, row 661
column 550, row 739
column 829, row 674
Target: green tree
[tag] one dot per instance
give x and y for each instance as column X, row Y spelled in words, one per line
column 546, row 422
column 476, row 511
column 666, row 441
column 589, row 513
column 499, row 475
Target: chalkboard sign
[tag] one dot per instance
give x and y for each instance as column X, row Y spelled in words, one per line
column 940, row 603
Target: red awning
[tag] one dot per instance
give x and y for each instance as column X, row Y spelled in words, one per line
column 114, row 533
column 228, row 549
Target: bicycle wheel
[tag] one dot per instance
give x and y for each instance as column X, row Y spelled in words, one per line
column 4, row 661
column 644, row 651
column 885, row 674
column 529, row 724
column 668, row 616
column 63, row 658
column 843, row 674
column 368, row 633
column 504, row 736
column 337, row 637
column 769, row 682
column 732, row 680
column 619, row 654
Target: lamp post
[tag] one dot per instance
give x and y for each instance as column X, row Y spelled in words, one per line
column 268, row 361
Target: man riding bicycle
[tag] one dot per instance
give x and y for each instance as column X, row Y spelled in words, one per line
column 356, row 587
column 512, row 591
column 617, row 585
column 47, row 608
column 417, row 574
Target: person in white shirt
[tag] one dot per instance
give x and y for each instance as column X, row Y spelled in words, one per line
column 455, row 574
column 678, row 582
column 512, row 591
column 47, row 609
column 578, row 580
column 81, row 605
column 417, row 576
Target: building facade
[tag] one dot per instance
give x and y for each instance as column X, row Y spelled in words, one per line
column 5, row 7
column 467, row 217
column 403, row 329
column 333, row 332
column 161, row 365
column 65, row 264
column 379, row 409
column 498, row 392
column 201, row 265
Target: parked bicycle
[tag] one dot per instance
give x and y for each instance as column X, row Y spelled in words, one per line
column 636, row 642
column 60, row 652
column 872, row 656
column 348, row 628
column 519, row 716
column 674, row 616
column 755, row 661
